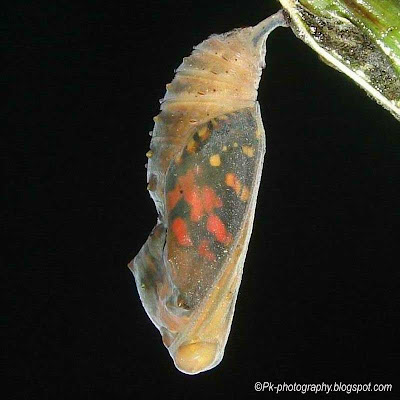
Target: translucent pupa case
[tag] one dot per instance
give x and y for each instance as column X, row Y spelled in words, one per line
column 204, row 170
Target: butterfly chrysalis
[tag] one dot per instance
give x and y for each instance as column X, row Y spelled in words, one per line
column 204, row 170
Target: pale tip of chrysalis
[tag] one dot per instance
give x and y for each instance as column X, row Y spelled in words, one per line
column 196, row 357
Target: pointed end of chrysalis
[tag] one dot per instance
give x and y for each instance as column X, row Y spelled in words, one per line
column 262, row 30
column 266, row 26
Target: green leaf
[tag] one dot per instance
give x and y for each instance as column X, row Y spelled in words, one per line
column 360, row 38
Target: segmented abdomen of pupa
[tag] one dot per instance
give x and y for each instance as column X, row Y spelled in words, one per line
column 214, row 91
column 220, row 76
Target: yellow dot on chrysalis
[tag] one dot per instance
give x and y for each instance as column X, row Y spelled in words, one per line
column 235, row 144
column 149, row 154
column 248, row 150
column 204, row 133
column 215, row 160
column 191, row 146
column 178, row 159
column 214, row 123
column 224, row 148
column 244, row 196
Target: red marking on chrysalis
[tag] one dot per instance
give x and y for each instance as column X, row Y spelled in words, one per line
column 217, row 228
column 179, row 229
column 205, row 251
column 185, row 184
column 201, row 200
column 210, row 200
column 193, row 198
column 173, row 197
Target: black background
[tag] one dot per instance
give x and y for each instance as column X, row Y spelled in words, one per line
column 319, row 296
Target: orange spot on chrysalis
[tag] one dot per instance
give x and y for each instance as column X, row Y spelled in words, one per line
column 179, row 229
column 233, row 181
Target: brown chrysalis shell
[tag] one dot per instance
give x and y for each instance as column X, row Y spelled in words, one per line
column 204, row 170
